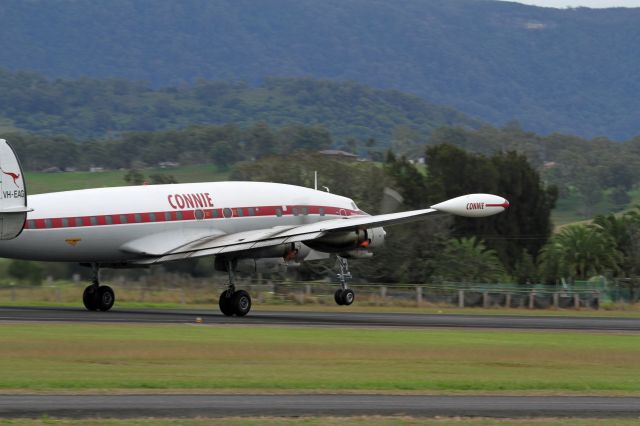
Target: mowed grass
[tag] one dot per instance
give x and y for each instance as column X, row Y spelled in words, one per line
column 41, row 182
column 54, row 357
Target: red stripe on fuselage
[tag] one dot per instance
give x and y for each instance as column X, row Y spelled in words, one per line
column 182, row 215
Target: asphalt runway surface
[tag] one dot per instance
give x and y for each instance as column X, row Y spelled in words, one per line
column 336, row 319
column 80, row 406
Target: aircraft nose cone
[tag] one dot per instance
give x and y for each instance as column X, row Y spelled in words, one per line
column 505, row 204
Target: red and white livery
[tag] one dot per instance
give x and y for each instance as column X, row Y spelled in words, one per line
column 248, row 226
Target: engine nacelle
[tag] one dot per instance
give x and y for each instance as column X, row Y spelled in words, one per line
column 264, row 266
column 341, row 242
column 266, row 259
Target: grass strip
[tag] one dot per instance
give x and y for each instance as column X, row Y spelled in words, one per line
column 54, row 357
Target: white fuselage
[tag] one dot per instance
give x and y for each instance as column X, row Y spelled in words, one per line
column 92, row 225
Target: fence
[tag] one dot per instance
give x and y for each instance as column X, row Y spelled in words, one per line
column 201, row 292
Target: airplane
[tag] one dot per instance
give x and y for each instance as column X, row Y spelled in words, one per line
column 246, row 226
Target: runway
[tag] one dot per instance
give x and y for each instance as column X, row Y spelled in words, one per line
column 80, row 406
column 336, row 319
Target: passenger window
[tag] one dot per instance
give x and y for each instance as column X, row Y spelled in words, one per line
column 199, row 214
column 278, row 212
column 240, row 212
column 178, row 215
column 65, row 222
column 123, row 218
column 93, row 220
column 251, row 211
column 138, row 217
column 215, row 212
column 108, row 220
column 295, row 211
column 321, row 210
column 31, row 224
column 152, row 217
column 167, row 216
column 305, row 211
column 79, row 221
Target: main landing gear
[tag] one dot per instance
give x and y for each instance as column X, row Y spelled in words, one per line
column 98, row 297
column 232, row 301
column 344, row 295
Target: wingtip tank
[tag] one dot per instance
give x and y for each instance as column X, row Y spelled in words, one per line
column 473, row 205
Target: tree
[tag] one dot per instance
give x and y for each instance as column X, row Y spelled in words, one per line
column 468, row 260
column 579, row 252
column 525, row 225
column 134, row 177
column 30, row 272
column 160, row 178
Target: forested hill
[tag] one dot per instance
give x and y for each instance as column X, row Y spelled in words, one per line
column 572, row 71
column 96, row 108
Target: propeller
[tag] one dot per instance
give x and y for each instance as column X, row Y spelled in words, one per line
column 391, row 201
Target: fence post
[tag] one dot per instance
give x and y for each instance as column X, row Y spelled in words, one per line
column 307, row 289
column 507, row 302
column 485, row 299
column 576, row 300
column 556, row 300
column 419, row 295
column 532, row 297
column 460, row 298
column 13, row 292
column 383, row 291
column 182, row 297
column 57, row 293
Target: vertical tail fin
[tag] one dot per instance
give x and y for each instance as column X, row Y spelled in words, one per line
column 13, row 194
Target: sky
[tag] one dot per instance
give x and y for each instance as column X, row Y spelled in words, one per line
column 577, row 3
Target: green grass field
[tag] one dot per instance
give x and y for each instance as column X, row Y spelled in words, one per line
column 41, row 182
column 101, row 357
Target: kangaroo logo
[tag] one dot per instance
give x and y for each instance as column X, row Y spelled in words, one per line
column 13, row 176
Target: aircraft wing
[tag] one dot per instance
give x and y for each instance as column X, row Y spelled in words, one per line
column 468, row 205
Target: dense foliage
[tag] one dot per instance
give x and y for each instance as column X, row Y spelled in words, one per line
column 102, row 108
column 596, row 174
column 571, row 70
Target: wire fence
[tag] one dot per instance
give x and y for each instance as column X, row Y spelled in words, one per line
column 183, row 291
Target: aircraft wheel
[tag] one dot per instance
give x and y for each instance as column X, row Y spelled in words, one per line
column 337, row 296
column 348, row 296
column 241, row 303
column 226, row 304
column 90, row 298
column 106, row 298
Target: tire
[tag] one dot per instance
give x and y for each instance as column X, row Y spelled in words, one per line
column 337, row 296
column 106, row 298
column 225, row 303
column 241, row 303
column 90, row 298
column 348, row 296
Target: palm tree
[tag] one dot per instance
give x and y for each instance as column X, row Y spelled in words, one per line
column 580, row 251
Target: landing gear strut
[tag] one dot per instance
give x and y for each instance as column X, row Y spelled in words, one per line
column 344, row 295
column 98, row 297
column 232, row 301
